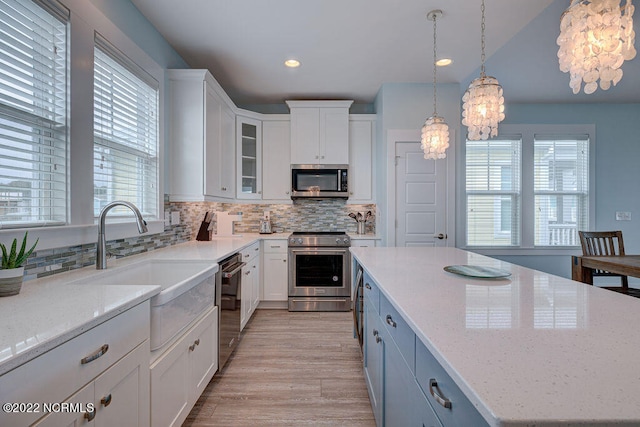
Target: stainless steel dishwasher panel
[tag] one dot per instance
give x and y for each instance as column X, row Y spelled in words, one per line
column 229, row 302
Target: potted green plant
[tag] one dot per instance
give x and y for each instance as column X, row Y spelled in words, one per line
column 12, row 271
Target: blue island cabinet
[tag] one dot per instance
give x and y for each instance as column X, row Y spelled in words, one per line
column 407, row 386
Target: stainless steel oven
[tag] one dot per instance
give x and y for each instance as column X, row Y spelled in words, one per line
column 319, row 271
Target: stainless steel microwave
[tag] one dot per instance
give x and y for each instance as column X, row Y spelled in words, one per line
column 320, row 181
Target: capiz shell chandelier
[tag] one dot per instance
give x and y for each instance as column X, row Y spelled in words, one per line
column 482, row 103
column 435, row 132
column 596, row 37
column 435, row 138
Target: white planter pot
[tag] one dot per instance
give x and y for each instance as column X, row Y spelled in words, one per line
column 11, row 281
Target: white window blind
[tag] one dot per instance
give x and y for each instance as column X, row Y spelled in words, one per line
column 561, row 189
column 493, row 192
column 33, row 113
column 125, row 133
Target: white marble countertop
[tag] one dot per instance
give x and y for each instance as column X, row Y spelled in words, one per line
column 49, row 311
column 530, row 350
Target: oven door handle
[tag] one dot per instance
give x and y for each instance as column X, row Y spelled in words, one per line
column 229, row 274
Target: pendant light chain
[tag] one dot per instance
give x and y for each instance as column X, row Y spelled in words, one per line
column 435, row 110
column 482, row 56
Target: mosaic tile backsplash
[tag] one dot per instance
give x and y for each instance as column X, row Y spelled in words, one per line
column 302, row 215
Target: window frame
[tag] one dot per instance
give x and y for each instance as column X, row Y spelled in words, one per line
column 55, row 132
column 118, row 143
column 527, row 203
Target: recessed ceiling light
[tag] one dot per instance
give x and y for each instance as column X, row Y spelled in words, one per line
column 292, row 63
column 443, row 62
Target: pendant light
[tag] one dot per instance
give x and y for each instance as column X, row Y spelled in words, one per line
column 596, row 37
column 483, row 103
column 435, row 132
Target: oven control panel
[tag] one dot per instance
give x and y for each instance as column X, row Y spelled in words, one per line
column 317, row 239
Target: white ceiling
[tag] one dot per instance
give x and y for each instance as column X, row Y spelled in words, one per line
column 349, row 48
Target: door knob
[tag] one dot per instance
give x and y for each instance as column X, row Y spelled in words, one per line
column 440, row 236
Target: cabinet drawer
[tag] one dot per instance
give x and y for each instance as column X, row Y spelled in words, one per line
column 399, row 331
column 429, row 373
column 250, row 251
column 60, row 371
column 275, row 246
column 371, row 291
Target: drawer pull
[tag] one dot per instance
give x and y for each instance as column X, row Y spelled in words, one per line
column 375, row 333
column 195, row 343
column 94, row 356
column 247, row 273
column 435, row 392
column 106, row 401
column 275, row 246
column 256, row 249
column 390, row 321
column 89, row 416
column 368, row 286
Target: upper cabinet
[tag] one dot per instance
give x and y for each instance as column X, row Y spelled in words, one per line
column 249, row 158
column 319, row 132
column 361, row 139
column 276, row 169
column 202, row 144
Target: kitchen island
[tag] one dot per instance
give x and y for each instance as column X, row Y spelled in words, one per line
column 531, row 349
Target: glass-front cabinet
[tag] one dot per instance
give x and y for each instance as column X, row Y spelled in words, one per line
column 249, row 161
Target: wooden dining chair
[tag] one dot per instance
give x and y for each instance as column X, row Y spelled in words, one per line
column 605, row 243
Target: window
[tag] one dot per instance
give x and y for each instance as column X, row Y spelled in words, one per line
column 125, row 133
column 493, row 192
column 560, row 189
column 33, row 113
column 529, row 190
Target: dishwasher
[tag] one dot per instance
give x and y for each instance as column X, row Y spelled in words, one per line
column 229, row 302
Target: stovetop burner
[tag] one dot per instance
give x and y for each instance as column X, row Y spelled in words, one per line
column 319, row 238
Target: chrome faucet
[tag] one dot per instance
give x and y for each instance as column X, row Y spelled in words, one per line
column 101, row 249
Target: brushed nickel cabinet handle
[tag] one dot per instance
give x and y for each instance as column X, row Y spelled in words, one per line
column 106, row 401
column 197, row 342
column 89, row 416
column 99, row 353
column 368, row 286
column 435, row 392
column 390, row 321
column 194, row 345
column 375, row 333
column 378, row 339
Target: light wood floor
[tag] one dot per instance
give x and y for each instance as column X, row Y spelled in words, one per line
column 290, row 369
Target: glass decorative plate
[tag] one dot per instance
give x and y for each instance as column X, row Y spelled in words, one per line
column 477, row 271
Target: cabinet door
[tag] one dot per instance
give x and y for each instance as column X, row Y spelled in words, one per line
column 227, row 160
column 122, row 391
column 360, row 161
column 334, row 136
column 71, row 419
column 275, row 276
column 247, row 287
column 305, row 135
column 212, row 145
column 203, row 353
column 255, row 283
column 249, row 159
column 276, row 163
column 398, row 393
column 373, row 358
column 170, row 387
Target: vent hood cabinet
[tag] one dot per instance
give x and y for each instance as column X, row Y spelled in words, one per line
column 319, row 132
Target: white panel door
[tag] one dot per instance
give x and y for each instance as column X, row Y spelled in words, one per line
column 420, row 197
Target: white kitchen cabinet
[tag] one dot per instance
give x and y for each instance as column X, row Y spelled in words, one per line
column 275, row 270
column 319, row 132
column 363, row 243
column 361, row 166
column 276, row 160
column 181, row 373
column 202, row 142
column 111, row 359
column 249, row 159
column 250, row 282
